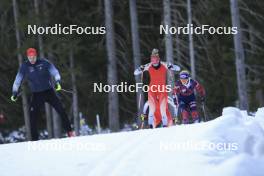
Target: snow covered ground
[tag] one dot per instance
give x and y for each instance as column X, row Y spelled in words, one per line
column 231, row 145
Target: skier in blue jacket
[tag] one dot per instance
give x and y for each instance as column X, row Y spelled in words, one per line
column 39, row 73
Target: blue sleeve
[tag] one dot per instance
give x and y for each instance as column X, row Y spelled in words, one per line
column 19, row 78
column 53, row 71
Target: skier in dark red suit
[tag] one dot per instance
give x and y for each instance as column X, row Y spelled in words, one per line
column 184, row 91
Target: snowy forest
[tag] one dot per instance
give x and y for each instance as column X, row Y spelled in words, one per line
column 230, row 67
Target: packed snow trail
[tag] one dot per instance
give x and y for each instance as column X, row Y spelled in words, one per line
column 148, row 152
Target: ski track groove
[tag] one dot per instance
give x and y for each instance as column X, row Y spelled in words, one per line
column 122, row 163
column 102, row 168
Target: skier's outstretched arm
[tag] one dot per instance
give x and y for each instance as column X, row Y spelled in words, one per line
column 55, row 73
column 176, row 91
column 173, row 67
column 170, row 66
column 200, row 89
column 17, row 83
column 141, row 69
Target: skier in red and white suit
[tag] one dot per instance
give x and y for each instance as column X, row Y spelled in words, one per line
column 158, row 92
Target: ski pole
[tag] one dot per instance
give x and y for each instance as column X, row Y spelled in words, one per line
column 142, row 125
column 139, row 104
column 67, row 91
column 19, row 94
column 172, row 78
column 140, row 95
column 177, row 109
column 142, row 121
column 205, row 116
column 64, row 90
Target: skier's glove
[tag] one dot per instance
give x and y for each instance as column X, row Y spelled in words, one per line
column 175, row 120
column 169, row 65
column 14, row 97
column 142, row 117
column 173, row 67
column 175, row 101
column 141, row 68
column 57, row 87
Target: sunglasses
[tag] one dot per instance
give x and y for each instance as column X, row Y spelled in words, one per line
column 184, row 76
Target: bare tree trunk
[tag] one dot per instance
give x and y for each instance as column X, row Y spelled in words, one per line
column 40, row 40
column 260, row 97
column 20, row 60
column 168, row 38
column 177, row 43
column 74, row 95
column 41, row 51
column 48, row 111
column 136, row 49
column 168, row 41
column 113, row 103
column 56, row 124
column 191, row 48
column 55, row 120
column 240, row 57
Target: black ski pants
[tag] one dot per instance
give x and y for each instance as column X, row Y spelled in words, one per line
column 37, row 102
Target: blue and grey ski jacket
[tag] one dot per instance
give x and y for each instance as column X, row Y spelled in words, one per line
column 39, row 75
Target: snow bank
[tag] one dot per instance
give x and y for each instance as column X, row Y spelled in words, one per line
column 234, row 126
column 231, row 145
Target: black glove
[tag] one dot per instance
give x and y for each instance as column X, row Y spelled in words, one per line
column 142, row 67
column 169, row 65
column 175, row 100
